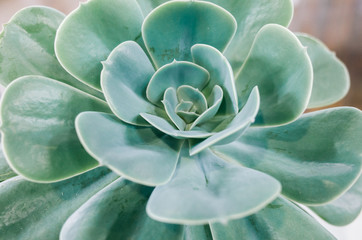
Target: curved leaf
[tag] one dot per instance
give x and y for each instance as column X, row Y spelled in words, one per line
column 5, row 170
column 207, row 189
column 236, row 127
column 174, row 75
column 330, row 75
column 279, row 65
column 166, row 127
column 123, row 216
column 316, row 158
column 220, row 74
column 39, row 113
column 170, row 103
column 140, row 154
column 147, row 6
column 88, row 35
column 251, row 16
column 124, row 80
column 33, row 211
column 27, row 48
column 170, row 30
column 191, row 94
column 279, row 220
column 344, row 209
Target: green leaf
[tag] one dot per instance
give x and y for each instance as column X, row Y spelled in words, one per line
column 207, row 189
column 89, row 34
column 122, row 216
column 220, row 74
column 170, row 103
column 279, row 65
column 140, row 154
column 147, row 6
column 316, row 158
column 33, row 211
column 251, row 16
column 175, row 75
column 344, row 209
column 5, row 170
column 27, row 48
column 236, row 127
column 173, row 28
column 124, row 80
column 279, row 220
column 166, row 127
column 191, row 94
column 38, row 113
column 330, row 76
column 213, row 101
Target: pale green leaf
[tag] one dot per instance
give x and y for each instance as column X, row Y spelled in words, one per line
column 330, row 76
column 191, row 94
column 170, row 103
column 5, row 170
column 89, row 34
column 207, row 189
column 39, row 137
column 316, row 158
column 279, row 65
column 33, row 211
column 27, row 48
column 170, row 30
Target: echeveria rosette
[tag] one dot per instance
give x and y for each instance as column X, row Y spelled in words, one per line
column 206, row 112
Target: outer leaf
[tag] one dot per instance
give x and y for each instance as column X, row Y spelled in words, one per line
column 166, row 127
column 173, row 28
column 236, row 127
column 39, row 113
column 139, row 154
column 175, row 75
column 278, row 221
column 5, row 170
column 279, row 65
column 147, row 6
column 316, row 158
column 124, row 80
column 344, row 209
column 122, row 216
column 32, row 211
column 220, row 74
column 251, row 16
column 88, row 35
column 205, row 188
column 331, row 78
column 27, row 48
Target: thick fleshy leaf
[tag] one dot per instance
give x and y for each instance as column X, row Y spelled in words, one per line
column 147, row 6
column 279, row 65
column 236, row 127
column 140, row 154
column 166, row 127
column 170, row 30
column 39, row 113
column 118, row 212
column 170, row 103
column 279, row 220
column 221, row 74
column 88, row 35
column 330, row 75
column 27, row 48
column 5, row 170
column 191, row 94
column 184, row 106
column 33, row 211
column 316, row 158
column 251, row 16
column 207, row 189
column 124, row 80
column 175, row 75
column 344, row 209
column 214, row 101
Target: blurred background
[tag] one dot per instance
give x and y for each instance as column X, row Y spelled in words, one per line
column 338, row 23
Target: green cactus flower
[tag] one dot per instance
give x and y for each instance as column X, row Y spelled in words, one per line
column 140, row 119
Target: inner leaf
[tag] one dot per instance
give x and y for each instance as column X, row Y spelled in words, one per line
column 190, row 94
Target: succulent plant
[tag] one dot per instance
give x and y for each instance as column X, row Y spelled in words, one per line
column 173, row 120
